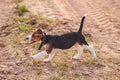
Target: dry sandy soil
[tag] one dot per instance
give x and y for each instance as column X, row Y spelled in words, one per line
column 102, row 28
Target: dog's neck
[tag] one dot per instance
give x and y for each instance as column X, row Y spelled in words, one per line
column 43, row 41
column 43, row 37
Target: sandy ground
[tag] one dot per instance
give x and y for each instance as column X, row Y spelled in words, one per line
column 102, row 23
column 6, row 11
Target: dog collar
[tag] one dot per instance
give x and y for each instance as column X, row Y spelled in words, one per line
column 43, row 42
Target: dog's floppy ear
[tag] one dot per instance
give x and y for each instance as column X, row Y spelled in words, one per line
column 39, row 31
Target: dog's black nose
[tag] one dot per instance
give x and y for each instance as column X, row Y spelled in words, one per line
column 27, row 38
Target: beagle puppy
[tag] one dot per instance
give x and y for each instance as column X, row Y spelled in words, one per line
column 65, row 41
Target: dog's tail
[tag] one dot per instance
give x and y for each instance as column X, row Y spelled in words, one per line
column 81, row 24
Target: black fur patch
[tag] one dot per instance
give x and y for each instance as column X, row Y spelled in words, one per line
column 65, row 41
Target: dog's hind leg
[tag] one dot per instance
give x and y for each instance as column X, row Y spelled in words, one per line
column 80, row 51
column 91, row 49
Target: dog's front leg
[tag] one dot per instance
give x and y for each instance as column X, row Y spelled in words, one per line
column 40, row 54
column 51, row 55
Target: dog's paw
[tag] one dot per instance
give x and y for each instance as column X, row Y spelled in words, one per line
column 76, row 58
column 32, row 57
column 46, row 60
column 95, row 57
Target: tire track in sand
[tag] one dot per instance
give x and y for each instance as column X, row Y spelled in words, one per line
column 99, row 16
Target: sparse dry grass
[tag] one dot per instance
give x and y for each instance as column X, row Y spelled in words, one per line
column 54, row 77
column 45, row 20
column 17, row 1
column 21, row 9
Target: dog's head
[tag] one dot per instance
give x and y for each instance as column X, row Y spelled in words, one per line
column 37, row 35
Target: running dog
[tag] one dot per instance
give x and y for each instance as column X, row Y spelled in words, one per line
column 65, row 41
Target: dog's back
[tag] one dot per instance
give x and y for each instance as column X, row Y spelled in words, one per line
column 67, row 40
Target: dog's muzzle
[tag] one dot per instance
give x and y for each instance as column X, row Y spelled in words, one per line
column 29, row 38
